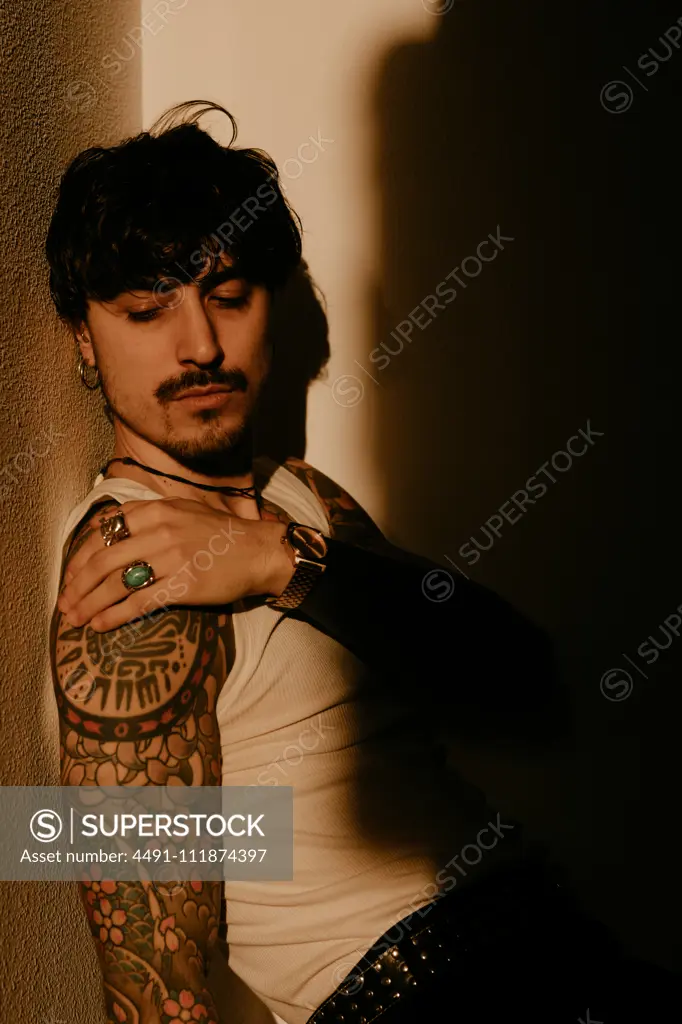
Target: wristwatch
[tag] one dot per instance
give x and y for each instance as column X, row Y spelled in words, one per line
column 309, row 548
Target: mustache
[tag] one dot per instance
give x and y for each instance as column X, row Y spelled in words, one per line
column 168, row 389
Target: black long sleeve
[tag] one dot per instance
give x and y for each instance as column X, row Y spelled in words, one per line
column 471, row 648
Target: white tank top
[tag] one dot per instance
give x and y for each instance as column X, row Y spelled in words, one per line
column 375, row 818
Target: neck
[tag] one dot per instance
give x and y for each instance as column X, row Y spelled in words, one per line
column 229, row 469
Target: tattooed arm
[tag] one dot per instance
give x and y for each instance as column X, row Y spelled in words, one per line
column 137, row 708
column 348, row 521
column 417, row 622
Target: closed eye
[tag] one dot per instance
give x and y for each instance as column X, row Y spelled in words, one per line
column 145, row 315
column 142, row 315
column 234, row 302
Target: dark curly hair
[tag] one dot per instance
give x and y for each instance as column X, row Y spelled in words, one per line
column 165, row 205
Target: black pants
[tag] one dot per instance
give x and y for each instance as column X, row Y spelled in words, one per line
column 557, row 967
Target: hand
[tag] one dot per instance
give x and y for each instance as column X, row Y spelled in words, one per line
column 200, row 556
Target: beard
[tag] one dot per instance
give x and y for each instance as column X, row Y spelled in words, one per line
column 218, row 452
column 220, row 449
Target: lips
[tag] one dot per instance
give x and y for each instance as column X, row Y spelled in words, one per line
column 200, row 392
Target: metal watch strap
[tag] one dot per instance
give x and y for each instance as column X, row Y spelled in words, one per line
column 299, row 585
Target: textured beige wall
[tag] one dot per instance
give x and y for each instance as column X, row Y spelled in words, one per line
column 57, row 99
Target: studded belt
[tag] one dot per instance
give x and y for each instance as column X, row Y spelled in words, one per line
column 440, row 939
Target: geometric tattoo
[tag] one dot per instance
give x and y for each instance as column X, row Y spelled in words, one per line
column 139, row 681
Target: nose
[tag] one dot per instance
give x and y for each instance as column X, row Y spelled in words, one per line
column 197, row 338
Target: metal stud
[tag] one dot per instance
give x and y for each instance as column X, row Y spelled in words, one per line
column 385, row 981
column 396, row 995
column 404, row 967
column 369, row 993
column 394, row 951
column 423, row 956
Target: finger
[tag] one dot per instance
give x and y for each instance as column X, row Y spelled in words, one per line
column 106, row 596
column 95, row 560
column 135, row 522
column 108, row 593
column 138, row 603
column 109, row 562
column 93, row 542
column 142, row 505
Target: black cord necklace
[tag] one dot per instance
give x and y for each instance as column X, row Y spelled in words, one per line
column 237, row 492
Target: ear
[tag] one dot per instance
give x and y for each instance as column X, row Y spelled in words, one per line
column 82, row 338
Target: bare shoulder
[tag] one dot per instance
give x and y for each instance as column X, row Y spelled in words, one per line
column 146, row 688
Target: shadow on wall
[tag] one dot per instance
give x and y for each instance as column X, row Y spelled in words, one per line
column 520, row 332
column 300, row 349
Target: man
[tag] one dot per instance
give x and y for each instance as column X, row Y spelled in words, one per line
column 201, row 637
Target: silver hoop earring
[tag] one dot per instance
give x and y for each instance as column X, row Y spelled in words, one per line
column 83, row 370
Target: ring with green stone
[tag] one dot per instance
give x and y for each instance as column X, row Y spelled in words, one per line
column 137, row 575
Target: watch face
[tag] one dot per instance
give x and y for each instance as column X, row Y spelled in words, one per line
column 309, row 543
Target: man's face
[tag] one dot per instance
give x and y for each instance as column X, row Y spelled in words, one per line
column 158, row 352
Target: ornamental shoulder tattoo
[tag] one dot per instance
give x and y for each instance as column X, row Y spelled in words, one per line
column 137, row 707
column 349, row 522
